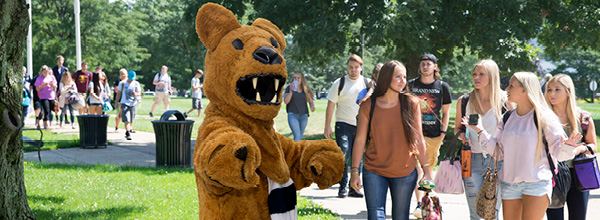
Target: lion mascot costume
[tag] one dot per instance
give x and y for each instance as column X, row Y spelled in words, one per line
column 243, row 168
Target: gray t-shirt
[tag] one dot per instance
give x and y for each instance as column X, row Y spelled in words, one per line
column 298, row 102
column 198, row 92
column 166, row 78
column 127, row 88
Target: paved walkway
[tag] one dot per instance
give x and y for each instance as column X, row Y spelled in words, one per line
column 141, row 152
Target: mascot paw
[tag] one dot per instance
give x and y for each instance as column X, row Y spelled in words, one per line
column 233, row 164
column 326, row 168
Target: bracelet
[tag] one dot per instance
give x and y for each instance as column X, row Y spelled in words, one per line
column 443, row 132
column 353, row 169
column 354, row 172
column 425, row 165
column 479, row 133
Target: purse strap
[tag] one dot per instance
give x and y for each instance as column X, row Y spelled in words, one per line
column 494, row 160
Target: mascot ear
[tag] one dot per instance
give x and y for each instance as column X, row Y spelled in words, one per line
column 271, row 28
column 213, row 21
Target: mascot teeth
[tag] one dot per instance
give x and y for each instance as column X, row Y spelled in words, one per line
column 276, row 84
column 254, row 82
column 258, row 96
column 274, row 100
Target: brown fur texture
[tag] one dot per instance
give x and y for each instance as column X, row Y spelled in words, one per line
column 237, row 147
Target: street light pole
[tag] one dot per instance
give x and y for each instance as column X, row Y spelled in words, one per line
column 77, row 35
column 29, row 44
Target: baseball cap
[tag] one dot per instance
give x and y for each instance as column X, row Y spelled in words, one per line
column 131, row 75
column 429, row 56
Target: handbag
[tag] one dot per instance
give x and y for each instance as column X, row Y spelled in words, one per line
column 487, row 196
column 448, row 178
column 26, row 99
column 561, row 180
column 72, row 99
column 106, row 107
column 80, row 103
column 587, row 175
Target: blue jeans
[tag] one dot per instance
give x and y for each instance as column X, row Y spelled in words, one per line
column 344, row 137
column 473, row 183
column 577, row 202
column 297, row 123
column 401, row 190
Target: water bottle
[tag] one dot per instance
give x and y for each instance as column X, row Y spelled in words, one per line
column 465, row 155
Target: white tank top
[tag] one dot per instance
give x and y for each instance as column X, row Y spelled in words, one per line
column 488, row 120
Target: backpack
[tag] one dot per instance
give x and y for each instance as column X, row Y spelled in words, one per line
column 342, row 82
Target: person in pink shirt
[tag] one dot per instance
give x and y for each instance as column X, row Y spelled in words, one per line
column 525, row 177
column 46, row 85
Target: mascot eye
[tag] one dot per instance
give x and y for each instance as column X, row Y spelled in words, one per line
column 274, row 42
column 238, row 44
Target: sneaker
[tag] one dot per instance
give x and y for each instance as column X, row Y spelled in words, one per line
column 127, row 135
column 418, row 213
column 67, row 122
column 342, row 193
column 150, row 114
column 356, row 194
column 185, row 114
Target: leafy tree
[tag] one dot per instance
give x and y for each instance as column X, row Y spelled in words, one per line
column 583, row 65
column 13, row 31
column 108, row 34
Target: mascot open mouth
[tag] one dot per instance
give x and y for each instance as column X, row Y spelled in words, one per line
column 262, row 89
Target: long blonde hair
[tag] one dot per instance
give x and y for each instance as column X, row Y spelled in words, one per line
column 305, row 88
column 497, row 99
column 66, row 77
column 567, row 83
column 545, row 115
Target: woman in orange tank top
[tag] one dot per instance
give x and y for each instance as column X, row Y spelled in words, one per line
column 395, row 142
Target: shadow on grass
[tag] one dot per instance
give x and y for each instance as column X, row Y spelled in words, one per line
column 107, row 168
column 46, row 200
column 102, row 213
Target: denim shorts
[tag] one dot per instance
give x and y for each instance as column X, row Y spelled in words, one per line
column 517, row 190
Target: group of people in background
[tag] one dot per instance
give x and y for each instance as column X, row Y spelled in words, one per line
column 395, row 127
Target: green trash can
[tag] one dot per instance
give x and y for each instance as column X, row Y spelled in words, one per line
column 173, row 140
column 92, row 130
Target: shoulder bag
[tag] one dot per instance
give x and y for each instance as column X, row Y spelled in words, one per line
column 487, row 196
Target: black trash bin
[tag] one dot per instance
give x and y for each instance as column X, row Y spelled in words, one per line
column 173, row 140
column 92, row 130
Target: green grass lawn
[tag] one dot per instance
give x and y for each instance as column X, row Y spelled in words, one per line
column 111, row 192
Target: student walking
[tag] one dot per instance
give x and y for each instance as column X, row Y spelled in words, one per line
column 395, row 141
column 560, row 94
column 97, row 92
column 162, row 91
column 46, row 85
column 119, row 110
column 67, row 89
column 525, row 177
column 434, row 96
column 295, row 98
column 488, row 101
column 196, row 93
column 82, row 80
column 128, row 92
column 59, row 70
column 343, row 94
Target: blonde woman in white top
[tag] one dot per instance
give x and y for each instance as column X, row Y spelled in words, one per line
column 67, row 88
column 525, row 177
column 488, row 100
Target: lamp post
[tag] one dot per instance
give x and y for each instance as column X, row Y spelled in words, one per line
column 29, row 44
column 77, row 35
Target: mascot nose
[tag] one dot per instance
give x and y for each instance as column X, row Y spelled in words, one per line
column 267, row 55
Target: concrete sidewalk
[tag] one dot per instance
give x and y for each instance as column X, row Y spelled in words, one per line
column 141, row 151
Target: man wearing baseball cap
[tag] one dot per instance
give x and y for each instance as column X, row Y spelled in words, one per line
column 434, row 96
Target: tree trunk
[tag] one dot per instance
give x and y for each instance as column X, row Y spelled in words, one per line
column 14, row 21
column 412, row 66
